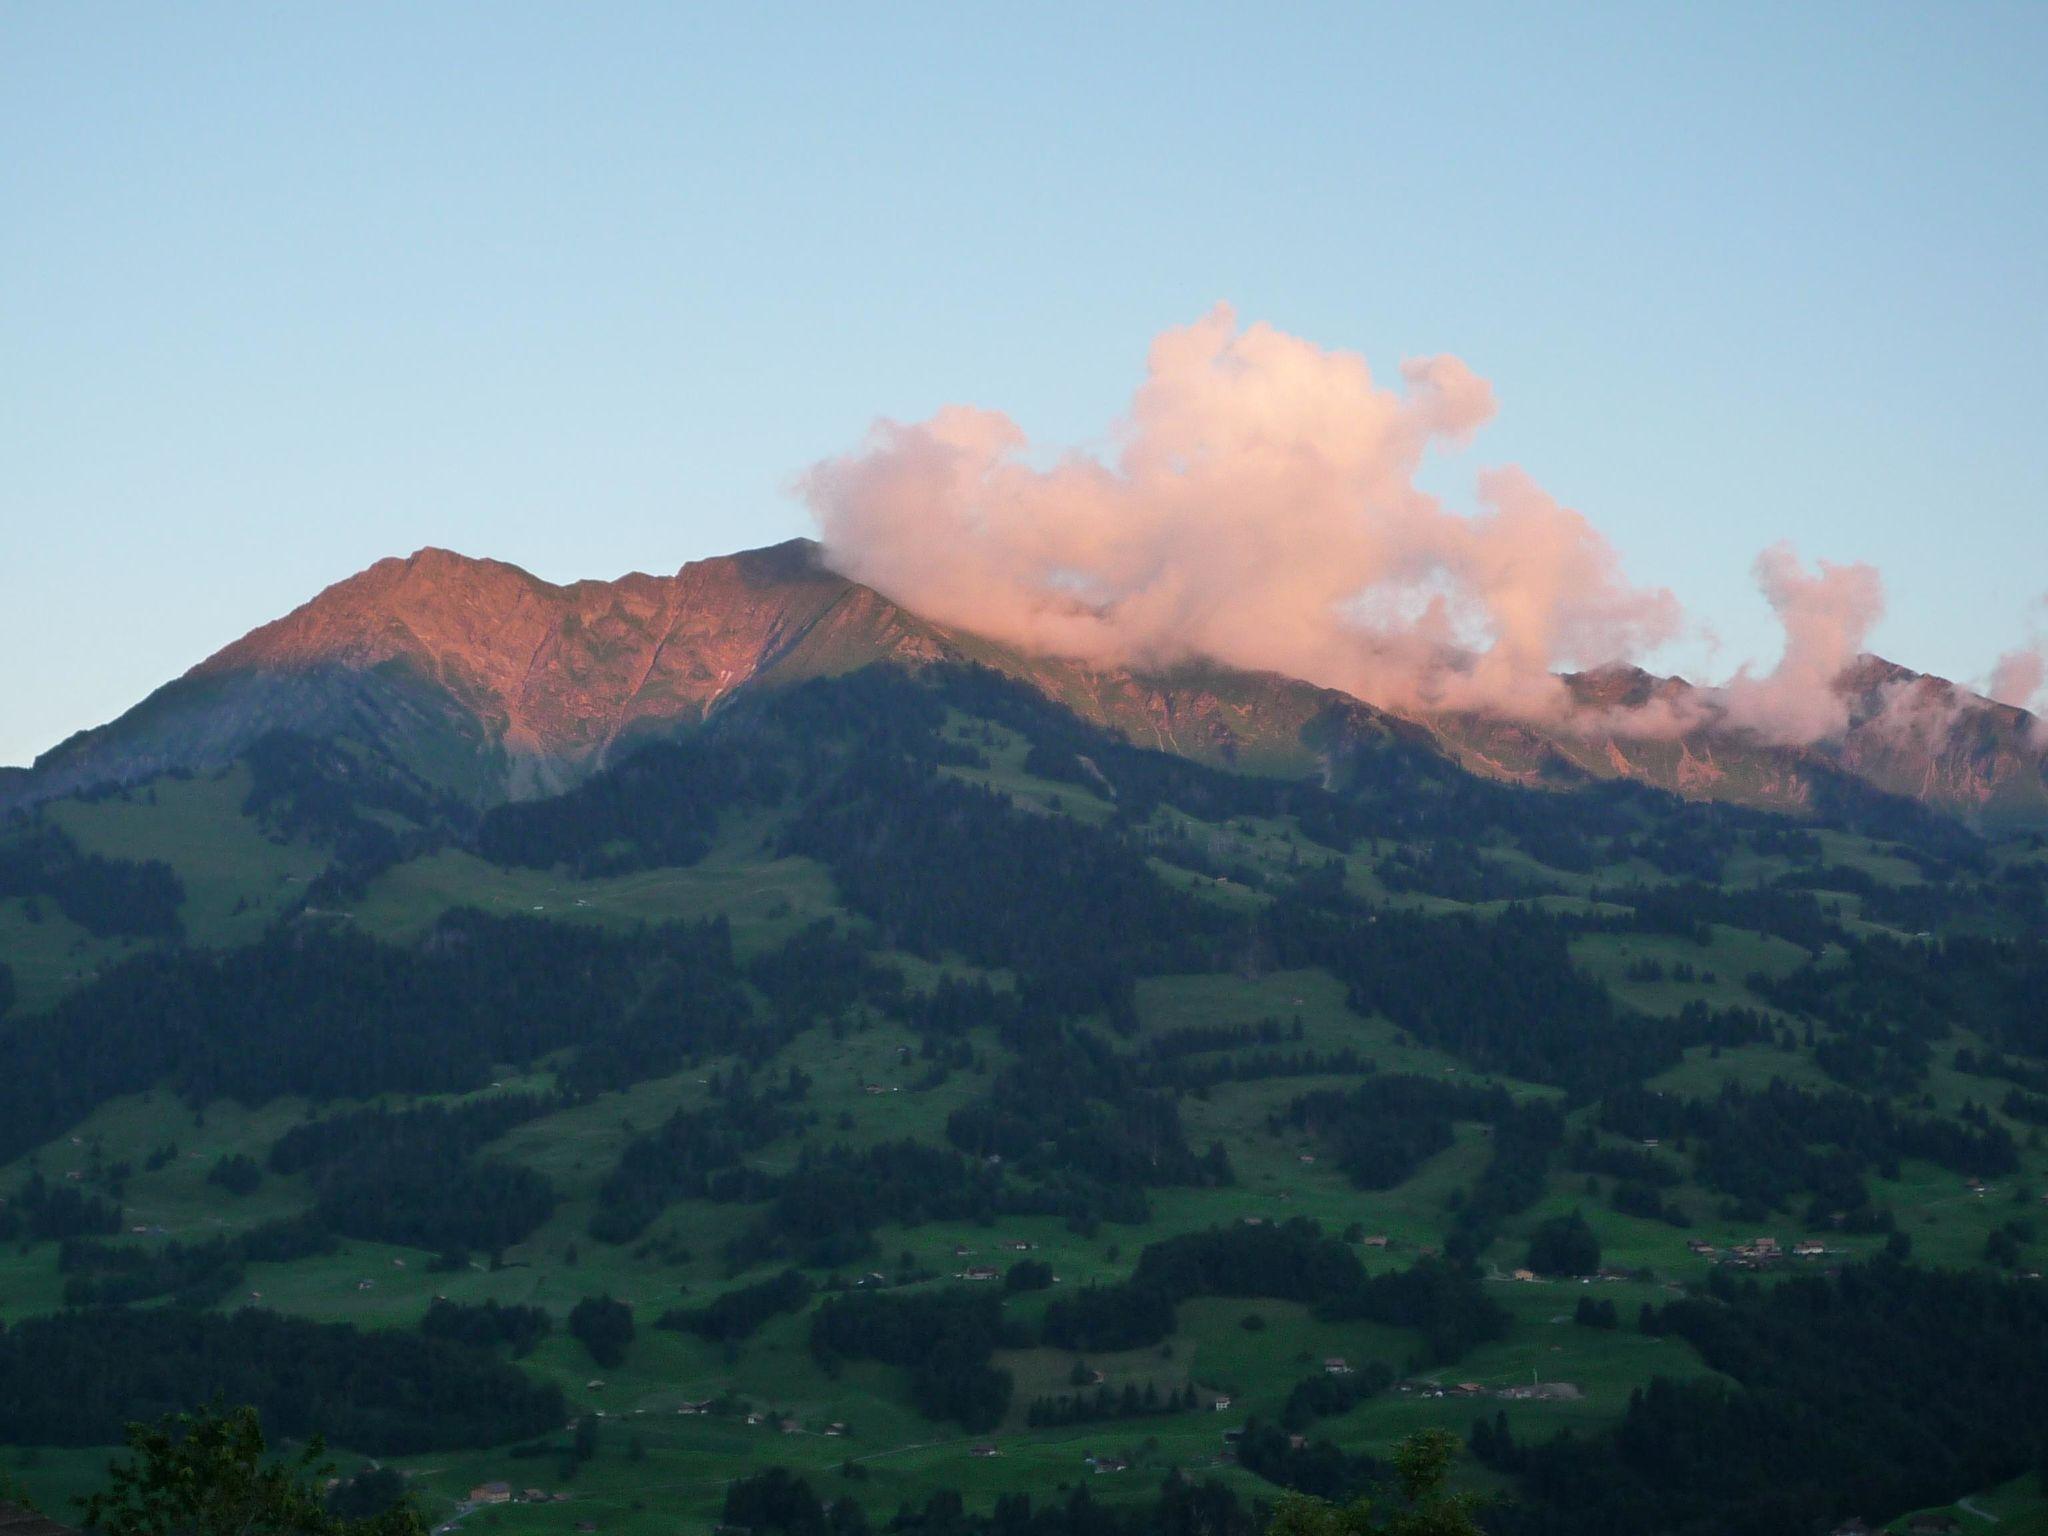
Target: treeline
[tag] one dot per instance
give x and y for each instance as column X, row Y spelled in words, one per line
column 2030, row 1075
column 412, row 1177
column 1328, row 1394
column 333, row 1014
column 821, row 973
column 488, row 1325
column 1585, row 1153
column 1765, row 1147
column 1071, row 1107
column 1292, row 1261
column 1103, row 1405
column 659, row 806
column 75, row 1378
column 351, row 797
column 1456, row 871
column 40, row 1211
column 681, row 1158
column 112, row 898
column 603, row 1325
column 738, row 1314
column 1887, row 1389
column 188, row 1274
column 1928, row 988
column 823, row 1212
column 1920, row 907
column 1690, row 908
column 1197, row 1039
column 1383, row 1130
column 945, row 866
column 1318, row 1468
column 1501, row 993
column 2021, row 1105
column 944, row 1338
column 1184, row 1076
column 1525, row 1140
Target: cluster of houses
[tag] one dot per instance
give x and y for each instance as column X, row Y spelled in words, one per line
column 1541, row 1392
column 1758, row 1252
column 1530, row 1277
column 1525, row 1392
column 787, row 1426
column 1231, row 1437
column 987, row 1271
column 504, row 1493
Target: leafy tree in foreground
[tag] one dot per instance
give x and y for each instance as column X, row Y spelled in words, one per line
column 208, row 1474
column 1421, row 1463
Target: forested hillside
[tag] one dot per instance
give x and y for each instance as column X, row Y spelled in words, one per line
column 906, row 1082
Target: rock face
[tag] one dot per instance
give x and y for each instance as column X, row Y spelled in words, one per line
column 1918, row 737
column 493, row 683
column 1925, row 738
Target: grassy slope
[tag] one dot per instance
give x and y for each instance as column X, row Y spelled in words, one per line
column 237, row 879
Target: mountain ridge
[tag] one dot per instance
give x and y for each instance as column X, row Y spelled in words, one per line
column 498, row 684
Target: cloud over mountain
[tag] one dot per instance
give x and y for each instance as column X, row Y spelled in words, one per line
column 1826, row 615
column 2020, row 676
column 1261, row 507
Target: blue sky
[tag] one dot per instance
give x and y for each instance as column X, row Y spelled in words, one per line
column 287, row 289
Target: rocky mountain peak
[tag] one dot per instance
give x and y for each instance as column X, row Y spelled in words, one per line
column 498, row 682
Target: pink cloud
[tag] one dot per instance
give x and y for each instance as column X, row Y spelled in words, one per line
column 2017, row 678
column 1261, row 508
column 2020, row 676
column 1826, row 614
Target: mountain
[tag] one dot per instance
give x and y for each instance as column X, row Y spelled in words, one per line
column 490, row 682
column 1195, row 1074
column 1909, row 735
column 493, row 681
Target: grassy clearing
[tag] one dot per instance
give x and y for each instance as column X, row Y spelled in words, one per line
column 49, row 954
column 1719, row 968
column 766, row 899
column 1006, row 774
column 237, row 877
